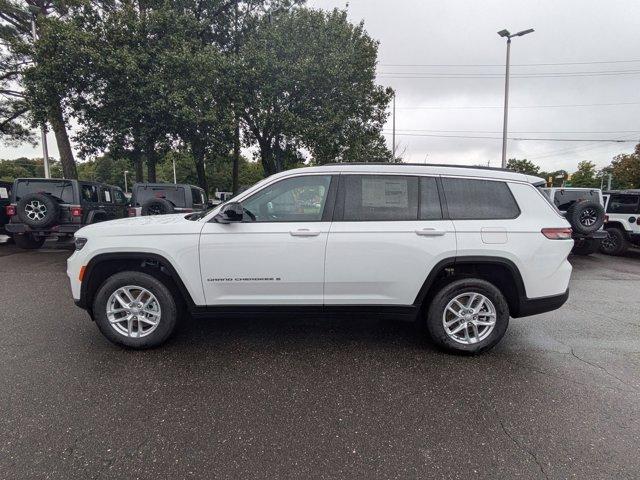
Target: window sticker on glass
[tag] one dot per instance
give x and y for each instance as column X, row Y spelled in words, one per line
column 385, row 192
column 4, row 193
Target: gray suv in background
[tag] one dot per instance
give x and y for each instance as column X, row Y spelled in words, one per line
column 166, row 198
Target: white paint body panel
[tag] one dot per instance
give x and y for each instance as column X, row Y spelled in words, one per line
column 383, row 263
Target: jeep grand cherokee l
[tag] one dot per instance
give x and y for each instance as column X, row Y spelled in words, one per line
column 461, row 249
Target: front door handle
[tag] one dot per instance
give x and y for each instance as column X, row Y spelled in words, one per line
column 430, row 232
column 304, row 232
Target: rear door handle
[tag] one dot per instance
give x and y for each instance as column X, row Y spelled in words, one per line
column 430, row 232
column 304, row 232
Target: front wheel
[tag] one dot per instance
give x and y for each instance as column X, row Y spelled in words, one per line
column 135, row 310
column 27, row 241
column 468, row 316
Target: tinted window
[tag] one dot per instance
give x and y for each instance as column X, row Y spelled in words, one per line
column 623, row 204
column 379, row 197
column 479, row 199
column 563, row 199
column 62, row 190
column 89, row 193
column 173, row 194
column 105, row 193
column 119, row 196
column 197, row 196
column 430, row 208
column 299, row 199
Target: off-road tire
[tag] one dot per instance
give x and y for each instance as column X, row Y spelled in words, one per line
column 616, row 242
column 434, row 319
column 27, row 241
column 158, row 206
column 585, row 217
column 169, row 309
column 50, row 214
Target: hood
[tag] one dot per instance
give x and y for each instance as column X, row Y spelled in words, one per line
column 147, row 225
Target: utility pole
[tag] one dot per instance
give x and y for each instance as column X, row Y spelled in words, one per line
column 175, row 178
column 609, row 183
column 43, row 128
column 506, row 34
column 393, row 141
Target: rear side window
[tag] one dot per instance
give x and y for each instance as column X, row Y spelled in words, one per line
column 4, row 193
column 379, row 197
column 469, row 199
column 89, row 193
column 430, row 208
column 623, row 204
column 105, row 193
column 61, row 190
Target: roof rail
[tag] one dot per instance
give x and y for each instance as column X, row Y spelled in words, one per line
column 478, row 167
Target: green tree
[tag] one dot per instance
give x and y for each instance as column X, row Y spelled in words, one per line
column 625, row 169
column 523, row 166
column 585, row 176
column 22, row 106
column 308, row 81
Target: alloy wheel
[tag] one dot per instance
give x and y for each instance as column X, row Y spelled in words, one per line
column 133, row 311
column 35, row 210
column 588, row 217
column 469, row 318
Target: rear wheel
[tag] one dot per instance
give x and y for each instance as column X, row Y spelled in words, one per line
column 616, row 242
column 27, row 241
column 135, row 310
column 468, row 316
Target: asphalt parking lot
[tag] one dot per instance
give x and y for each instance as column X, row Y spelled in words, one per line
column 558, row 398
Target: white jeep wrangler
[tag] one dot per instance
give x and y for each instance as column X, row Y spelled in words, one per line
column 461, row 249
column 622, row 221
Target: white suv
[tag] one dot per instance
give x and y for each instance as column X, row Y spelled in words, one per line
column 459, row 248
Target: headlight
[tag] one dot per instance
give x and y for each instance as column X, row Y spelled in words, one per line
column 80, row 243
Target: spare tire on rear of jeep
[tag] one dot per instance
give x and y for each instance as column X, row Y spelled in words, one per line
column 38, row 210
column 158, row 206
column 585, row 216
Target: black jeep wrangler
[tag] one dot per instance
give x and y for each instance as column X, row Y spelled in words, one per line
column 5, row 198
column 166, row 198
column 43, row 207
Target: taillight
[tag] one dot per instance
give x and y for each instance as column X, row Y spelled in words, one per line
column 557, row 233
column 131, row 211
column 10, row 210
column 76, row 211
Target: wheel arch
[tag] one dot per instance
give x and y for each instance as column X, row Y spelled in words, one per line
column 501, row 272
column 104, row 265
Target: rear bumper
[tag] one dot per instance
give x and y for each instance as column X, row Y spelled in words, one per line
column 535, row 306
column 22, row 228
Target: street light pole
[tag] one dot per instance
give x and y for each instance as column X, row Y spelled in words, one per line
column 393, row 142
column 43, row 127
column 175, row 178
column 126, row 188
column 506, row 34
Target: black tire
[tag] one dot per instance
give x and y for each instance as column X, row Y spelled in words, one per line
column 436, row 312
column 168, row 307
column 585, row 217
column 158, row 206
column 586, row 246
column 27, row 241
column 38, row 210
column 616, row 242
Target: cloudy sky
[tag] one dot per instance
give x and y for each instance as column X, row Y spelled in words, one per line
column 457, row 38
column 576, row 77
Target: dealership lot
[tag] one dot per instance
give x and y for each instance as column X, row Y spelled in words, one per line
column 291, row 398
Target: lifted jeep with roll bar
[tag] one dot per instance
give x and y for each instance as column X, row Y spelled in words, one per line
column 40, row 208
column 622, row 222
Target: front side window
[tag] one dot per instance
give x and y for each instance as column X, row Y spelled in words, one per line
column 298, row 199
column 470, row 199
column 106, row 195
column 623, row 204
column 379, row 197
column 119, row 196
column 197, row 196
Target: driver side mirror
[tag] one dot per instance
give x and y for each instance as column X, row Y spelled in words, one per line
column 230, row 213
